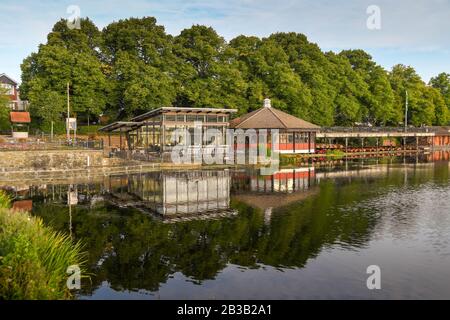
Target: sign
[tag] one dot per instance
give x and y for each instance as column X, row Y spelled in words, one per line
column 71, row 123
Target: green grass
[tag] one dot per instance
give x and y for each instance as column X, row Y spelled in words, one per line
column 335, row 153
column 34, row 258
column 92, row 129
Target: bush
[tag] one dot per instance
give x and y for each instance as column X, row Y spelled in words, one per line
column 33, row 257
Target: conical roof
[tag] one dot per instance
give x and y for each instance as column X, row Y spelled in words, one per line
column 271, row 118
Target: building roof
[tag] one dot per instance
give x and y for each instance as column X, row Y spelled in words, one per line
column 123, row 126
column 271, row 118
column 155, row 112
column 20, row 117
column 11, row 80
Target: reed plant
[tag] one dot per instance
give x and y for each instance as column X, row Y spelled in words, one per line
column 33, row 257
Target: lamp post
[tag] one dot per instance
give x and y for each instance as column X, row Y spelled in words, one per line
column 406, row 110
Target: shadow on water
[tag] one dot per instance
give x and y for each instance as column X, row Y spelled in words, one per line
column 141, row 229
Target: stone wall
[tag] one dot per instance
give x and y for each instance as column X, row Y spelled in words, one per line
column 49, row 160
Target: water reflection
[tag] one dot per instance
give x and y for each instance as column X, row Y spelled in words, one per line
column 225, row 222
column 174, row 196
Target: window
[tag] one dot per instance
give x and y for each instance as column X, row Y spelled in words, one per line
column 191, row 117
column 170, row 117
column 9, row 88
column 180, row 117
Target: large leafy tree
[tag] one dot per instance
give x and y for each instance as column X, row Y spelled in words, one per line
column 132, row 66
column 379, row 98
column 69, row 56
column 207, row 71
column 421, row 109
column 142, row 66
column 442, row 83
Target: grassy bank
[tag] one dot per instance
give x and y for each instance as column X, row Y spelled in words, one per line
column 33, row 257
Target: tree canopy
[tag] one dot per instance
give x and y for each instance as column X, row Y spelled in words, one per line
column 133, row 65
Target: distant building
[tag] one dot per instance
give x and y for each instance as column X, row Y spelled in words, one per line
column 13, row 93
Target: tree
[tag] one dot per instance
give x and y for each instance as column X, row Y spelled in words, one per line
column 208, row 70
column 4, row 110
column 70, row 56
column 442, row 83
column 379, row 97
column 142, row 66
column 421, row 108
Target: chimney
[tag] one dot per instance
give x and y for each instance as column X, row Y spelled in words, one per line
column 267, row 103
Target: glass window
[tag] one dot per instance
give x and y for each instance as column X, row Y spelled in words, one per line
column 170, row 117
column 191, row 117
column 212, row 118
column 180, row 117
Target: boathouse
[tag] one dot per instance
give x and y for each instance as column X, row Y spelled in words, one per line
column 295, row 135
column 152, row 132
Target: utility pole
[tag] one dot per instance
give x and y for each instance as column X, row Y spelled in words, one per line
column 68, row 114
column 406, row 110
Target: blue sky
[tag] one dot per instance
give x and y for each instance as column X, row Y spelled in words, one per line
column 414, row 33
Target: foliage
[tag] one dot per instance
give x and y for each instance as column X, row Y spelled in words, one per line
column 33, row 257
column 133, row 66
column 4, row 110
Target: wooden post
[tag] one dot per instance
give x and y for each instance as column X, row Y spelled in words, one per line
column 309, row 142
column 293, row 141
column 120, row 139
column 346, row 145
column 109, row 139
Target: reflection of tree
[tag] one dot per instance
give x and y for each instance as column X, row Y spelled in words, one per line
column 138, row 252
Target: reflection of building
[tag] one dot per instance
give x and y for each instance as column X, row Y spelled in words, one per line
column 295, row 135
column 195, row 194
column 284, row 180
column 271, row 191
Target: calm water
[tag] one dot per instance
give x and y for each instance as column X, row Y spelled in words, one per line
column 300, row 233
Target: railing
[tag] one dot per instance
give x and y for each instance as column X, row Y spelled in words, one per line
column 377, row 129
column 44, row 144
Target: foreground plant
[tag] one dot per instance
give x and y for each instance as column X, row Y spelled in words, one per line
column 33, row 258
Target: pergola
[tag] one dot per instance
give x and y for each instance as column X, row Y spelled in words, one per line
column 152, row 131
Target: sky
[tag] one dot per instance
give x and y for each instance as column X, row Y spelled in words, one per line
column 411, row 32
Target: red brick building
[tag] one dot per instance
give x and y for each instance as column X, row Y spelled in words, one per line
column 12, row 92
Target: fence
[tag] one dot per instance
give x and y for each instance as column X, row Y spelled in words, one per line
column 377, row 129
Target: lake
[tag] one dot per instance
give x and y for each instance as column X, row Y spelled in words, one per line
column 300, row 233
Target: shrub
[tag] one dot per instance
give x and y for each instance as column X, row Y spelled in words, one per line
column 33, row 257
column 5, row 200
